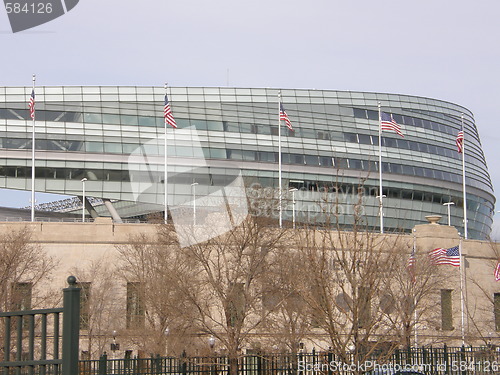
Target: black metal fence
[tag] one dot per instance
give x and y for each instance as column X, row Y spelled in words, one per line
column 436, row 361
column 31, row 338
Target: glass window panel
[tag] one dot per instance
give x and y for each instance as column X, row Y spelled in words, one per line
column 215, row 125
column 355, row 164
column 373, row 115
column 403, row 144
column 147, row 121
column 297, row 158
column 218, row 153
column 413, row 145
column 364, row 139
column 115, row 148
column 428, row 173
column 397, row 118
column 408, row 169
column 128, row 120
column 351, row 137
column 359, row 113
column 94, row 146
column 326, row 161
column 341, row 163
column 312, row 160
column 93, row 118
column 110, row 119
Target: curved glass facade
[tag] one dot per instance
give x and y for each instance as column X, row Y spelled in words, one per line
column 96, row 132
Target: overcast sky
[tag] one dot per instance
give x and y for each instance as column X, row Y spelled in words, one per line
column 442, row 49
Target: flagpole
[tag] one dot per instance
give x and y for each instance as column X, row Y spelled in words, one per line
column 165, row 163
column 462, row 308
column 381, row 204
column 463, row 178
column 33, row 159
column 279, row 161
column 415, row 316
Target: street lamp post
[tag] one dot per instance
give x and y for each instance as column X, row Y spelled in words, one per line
column 293, row 190
column 166, row 332
column 193, row 185
column 449, row 215
column 211, row 343
column 83, row 199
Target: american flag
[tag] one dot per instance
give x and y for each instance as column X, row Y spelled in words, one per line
column 31, row 104
column 449, row 256
column 284, row 117
column 388, row 123
column 497, row 271
column 460, row 141
column 410, row 265
column 167, row 114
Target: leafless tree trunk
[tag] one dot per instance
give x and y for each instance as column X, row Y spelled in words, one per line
column 24, row 266
column 226, row 289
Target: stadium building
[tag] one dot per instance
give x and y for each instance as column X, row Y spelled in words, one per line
column 110, row 142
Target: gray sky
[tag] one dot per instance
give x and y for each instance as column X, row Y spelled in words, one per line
column 443, row 49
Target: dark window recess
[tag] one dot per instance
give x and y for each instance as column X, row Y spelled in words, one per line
column 446, row 310
column 341, row 163
column 419, row 171
column 135, row 306
column 418, row 196
column 408, row 169
column 408, row 120
column 365, row 139
column 407, row 194
column 356, row 164
column 322, row 135
column 297, row 159
column 311, row 160
column 351, row 137
column 396, row 168
column 496, row 310
column 403, row 144
column 388, row 142
column 372, row 115
column 397, row 118
column 325, row 161
column 365, row 307
column 84, row 304
column 21, row 296
column 359, row 113
column 413, row 146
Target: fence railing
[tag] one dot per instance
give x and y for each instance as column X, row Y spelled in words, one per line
column 31, row 338
column 436, row 361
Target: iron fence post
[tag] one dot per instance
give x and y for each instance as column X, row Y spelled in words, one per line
column 103, row 362
column 71, row 327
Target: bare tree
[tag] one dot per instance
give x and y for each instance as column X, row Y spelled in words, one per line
column 156, row 273
column 100, row 313
column 345, row 270
column 482, row 302
column 226, row 284
column 408, row 293
column 288, row 317
column 23, row 266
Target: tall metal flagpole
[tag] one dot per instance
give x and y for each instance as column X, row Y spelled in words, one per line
column 33, row 154
column 381, row 203
column 279, row 159
column 463, row 178
column 165, row 163
column 415, row 315
column 462, row 307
